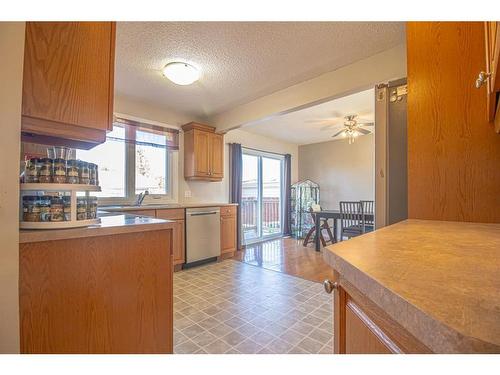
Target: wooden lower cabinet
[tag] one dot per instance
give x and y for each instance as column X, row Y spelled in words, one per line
column 179, row 242
column 228, row 230
column 108, row 294
column 361, row 327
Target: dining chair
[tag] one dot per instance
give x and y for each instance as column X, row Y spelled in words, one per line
column 351, row 219
column 368, row 208
column 324, row 225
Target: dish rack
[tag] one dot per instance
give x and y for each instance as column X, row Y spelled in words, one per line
column 67, row 188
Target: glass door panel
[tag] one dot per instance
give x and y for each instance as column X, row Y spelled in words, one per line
column 271, row 196
column 250, row 208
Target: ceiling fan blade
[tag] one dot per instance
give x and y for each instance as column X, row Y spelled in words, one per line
column 366, row 124
column 363, row 131
column 338, row 133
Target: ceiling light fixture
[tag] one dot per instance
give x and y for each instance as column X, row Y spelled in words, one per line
column 181, row 73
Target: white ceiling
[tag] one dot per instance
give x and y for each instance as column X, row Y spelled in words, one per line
column 239, row 61
column 317, row 123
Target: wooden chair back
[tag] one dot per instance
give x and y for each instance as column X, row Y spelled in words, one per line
column 351, row 215
column 368, row 208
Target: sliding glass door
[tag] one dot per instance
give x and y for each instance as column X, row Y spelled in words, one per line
column 261, row 206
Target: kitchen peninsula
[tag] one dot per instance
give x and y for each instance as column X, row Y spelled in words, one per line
column 418, row 286
column 105, row 288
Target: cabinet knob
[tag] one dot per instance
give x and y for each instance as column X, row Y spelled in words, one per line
column 481, row 79
column 330, row 286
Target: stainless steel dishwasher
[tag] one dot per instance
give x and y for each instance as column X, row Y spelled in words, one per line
column 202, row 234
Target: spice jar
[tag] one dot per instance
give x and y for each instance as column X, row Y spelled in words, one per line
column 81, row 208
column 67, row 208
column 93, row 174
column 72, row 172
column 56, row 209
column 45, row 208
column 92, row 208
column 83, row 172
column 31, row 208
column 32, row 170
column 46, row 171
column 59, row 176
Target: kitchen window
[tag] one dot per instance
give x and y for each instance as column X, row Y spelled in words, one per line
column 135, row 157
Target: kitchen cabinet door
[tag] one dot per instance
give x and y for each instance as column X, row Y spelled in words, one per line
column 228, row 234
column 68, row 82
column 179, row 242
column 202, row 153
column 216, row 156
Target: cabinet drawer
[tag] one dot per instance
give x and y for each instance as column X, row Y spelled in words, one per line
column 228, row 211
column 170, row 214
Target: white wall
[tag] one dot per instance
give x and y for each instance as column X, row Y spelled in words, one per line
column 358, row 76
column 343, row 171
column 11, row 76
column 201, row 191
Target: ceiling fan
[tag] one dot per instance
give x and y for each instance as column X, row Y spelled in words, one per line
column 353, row 128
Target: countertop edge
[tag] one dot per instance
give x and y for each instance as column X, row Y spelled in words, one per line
column 73, row 233
column 174, row 206
column 433, row 333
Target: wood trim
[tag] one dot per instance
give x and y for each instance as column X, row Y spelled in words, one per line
column 37, row 130
column 111, row 76
column 198, row 126
column 339, row 321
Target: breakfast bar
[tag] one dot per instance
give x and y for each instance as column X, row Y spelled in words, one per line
column 418, row 286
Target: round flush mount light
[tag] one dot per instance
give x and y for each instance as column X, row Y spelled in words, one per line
column 181, row 73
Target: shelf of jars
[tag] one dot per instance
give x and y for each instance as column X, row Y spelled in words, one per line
column 58, row 206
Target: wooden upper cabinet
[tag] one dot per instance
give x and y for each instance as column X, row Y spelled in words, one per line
column 68, row 83
column 492, row 44
column 203, row 153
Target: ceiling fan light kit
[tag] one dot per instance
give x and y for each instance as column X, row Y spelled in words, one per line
column 352, row 128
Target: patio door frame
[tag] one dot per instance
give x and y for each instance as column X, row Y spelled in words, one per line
column 260, row 189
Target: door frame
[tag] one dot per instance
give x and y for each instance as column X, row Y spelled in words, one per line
column 270, row 155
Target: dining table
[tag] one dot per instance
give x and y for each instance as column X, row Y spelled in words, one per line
column 331, row 214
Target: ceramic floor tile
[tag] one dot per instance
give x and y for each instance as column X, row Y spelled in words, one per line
column 239, row 308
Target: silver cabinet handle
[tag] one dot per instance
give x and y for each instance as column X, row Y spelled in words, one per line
column 330, row 286
column 481, row 79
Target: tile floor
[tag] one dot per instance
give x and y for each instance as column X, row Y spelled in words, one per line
column 233, row 307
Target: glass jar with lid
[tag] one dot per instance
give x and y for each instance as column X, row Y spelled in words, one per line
column 59, row 175
column 32, row 170
column 46, row 170
column 93, row 174
column 92, row 207
column 83, row 172
column 56, row 209
column 31, row 208
column 67, row 207
column 81, row 208
column 45, row 208
column 72, row 172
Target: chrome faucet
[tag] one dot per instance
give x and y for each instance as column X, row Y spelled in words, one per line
column 140, row 197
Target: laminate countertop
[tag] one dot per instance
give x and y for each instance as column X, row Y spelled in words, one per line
column 111, row 223
column 439, row 280
column 163, row 206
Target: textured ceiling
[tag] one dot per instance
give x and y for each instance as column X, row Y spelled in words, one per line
column 239, row 61
column 318, row 123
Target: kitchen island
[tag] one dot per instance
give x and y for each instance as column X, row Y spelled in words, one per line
column 418, row 287
column 106, row 288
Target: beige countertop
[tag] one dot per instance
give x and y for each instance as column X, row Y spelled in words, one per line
column 439, row 280
column 163, row 206
column 110, row 224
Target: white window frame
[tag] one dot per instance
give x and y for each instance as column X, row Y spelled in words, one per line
column 171, row 176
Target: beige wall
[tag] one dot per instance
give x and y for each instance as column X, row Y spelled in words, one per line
column 11, row 75
column 343, row 171
column 204, row 191
column 358, row 76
